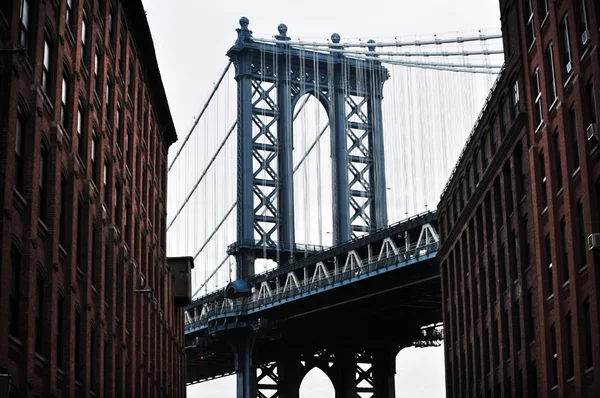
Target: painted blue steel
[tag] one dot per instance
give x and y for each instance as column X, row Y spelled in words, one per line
column 357, row 278
column 280, row 75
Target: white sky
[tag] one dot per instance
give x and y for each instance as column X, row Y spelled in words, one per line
column 191, row 39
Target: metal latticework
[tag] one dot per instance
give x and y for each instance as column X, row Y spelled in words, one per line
column 271, row 80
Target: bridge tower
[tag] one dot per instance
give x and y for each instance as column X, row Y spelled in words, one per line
column 271, row 78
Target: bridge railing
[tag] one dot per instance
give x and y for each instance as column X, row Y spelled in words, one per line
column 228, row 307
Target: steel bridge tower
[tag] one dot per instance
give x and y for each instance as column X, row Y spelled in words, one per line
column 270, row 80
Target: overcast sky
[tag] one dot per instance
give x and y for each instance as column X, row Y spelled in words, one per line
column 191, row 38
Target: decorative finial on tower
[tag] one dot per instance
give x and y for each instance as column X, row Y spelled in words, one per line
column 371, row 48
column 244, row 34
column 282, row 28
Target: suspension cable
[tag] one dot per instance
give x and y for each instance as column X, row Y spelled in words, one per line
column 208, row 166
column 437, row 64
column 463, row 53
column 395, row 43
column 210, row 276
column 212, row 94
column 460, row 68
column 215, row 230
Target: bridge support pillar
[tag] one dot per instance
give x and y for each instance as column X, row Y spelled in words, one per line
column 384, row 371
column 345, row 386
column 245, row 367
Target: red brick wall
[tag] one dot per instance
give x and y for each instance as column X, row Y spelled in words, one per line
column 495, row 270
column 137, row 337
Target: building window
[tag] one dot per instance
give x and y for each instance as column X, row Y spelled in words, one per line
column 64, row 205
column 505, row 337
column 129, row 149
column 108, row 93
column 477, row 167
column 532, row 378
column 537, row 98
column 111, row 30
column 503, row 120
column 515, row 99
column 98, row 82
column 81, row 150
column 530, row 28
column 94, row 155
column 19, row 154
column 46, row 67
column 591, row 104
column 575, row 139
column 531, row 318
column 126, row 227
column 549, row 266
column 554, row 353
column 570, row 350
column 494, row 136
column 118, row 205
column 584, row 25
column 122, row 58
column 64, row 101
column 517, row 324
column 84, row 23
column 486, row 351
column 81, row 237
column 484, row 152
column 43, row 186
column 24, row 19
column 105, row 183
column 559, row 176
column 78, row 340
column 69, row 10
column 526, row 253
column 60, row 324
column 93, row 357
column 14, row 296
column 39, row 314
column 544, row 8
column 496, row 343
column 582, row 236
column 550, row 74
column 118, row 126
column 130, row 80
column 543, row 191
column 587, row 334
column 563, row 248
column 566, row 45
column 469, row 181
column 95, row 256
column 508, row 191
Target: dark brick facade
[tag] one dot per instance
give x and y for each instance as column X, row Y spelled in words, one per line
column 83, row 181
column 520, row 286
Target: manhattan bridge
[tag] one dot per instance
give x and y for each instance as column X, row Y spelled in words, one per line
column 281, row 194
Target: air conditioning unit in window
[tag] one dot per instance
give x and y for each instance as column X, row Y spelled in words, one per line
column 592, row 132
column 586, row 37
column 594, row 242
column 569, row 67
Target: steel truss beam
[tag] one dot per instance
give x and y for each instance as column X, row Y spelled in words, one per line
column 362, row 373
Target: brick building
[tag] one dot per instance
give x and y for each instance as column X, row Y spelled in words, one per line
column 86, row 295
column 520, row 286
